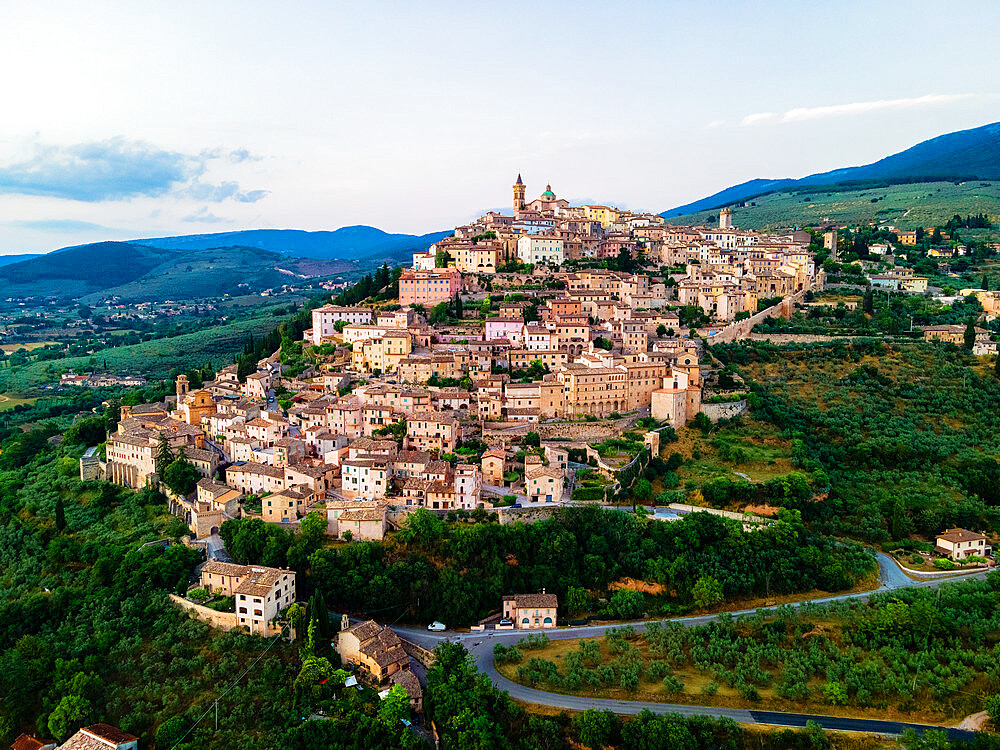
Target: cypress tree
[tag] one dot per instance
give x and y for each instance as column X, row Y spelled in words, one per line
column 164, row 457
column 323, row 618
column 60, row 514
column 970, row 334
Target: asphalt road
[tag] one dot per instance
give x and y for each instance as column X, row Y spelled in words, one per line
column 480, row 646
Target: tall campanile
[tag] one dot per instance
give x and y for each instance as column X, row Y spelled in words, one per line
column 518, row 195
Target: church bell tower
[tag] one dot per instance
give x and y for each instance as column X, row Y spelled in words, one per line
column 518, row 195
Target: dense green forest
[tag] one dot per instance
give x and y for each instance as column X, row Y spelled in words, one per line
column 907, row 433
column 458, row 572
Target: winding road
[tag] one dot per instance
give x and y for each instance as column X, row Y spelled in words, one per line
column 480, row 646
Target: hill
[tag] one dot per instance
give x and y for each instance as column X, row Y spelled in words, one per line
column 194, row 274
column 963, row 155
column 6, row 260
column 192, row 266
column 906, row 206
column 81, row 270
column 347, row 243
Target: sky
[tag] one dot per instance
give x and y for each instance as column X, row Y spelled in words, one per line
column 127, row 120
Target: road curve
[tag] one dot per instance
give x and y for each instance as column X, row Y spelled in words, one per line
column 483, row 656
column 480, row 646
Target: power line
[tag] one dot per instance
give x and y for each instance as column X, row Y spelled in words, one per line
column 226, row 691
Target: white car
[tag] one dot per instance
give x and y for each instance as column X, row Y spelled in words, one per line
column 436, row 626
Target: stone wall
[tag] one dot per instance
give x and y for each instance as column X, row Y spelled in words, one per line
column 795, row 338
column 742, row 328
column 415, row 651
column 715, row 412
column 221, row 620
column 578, row 431
column 510, row 515
column 92, row 468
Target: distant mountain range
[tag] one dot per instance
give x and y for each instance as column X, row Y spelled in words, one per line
column 966, row 154
column 346, row 243
column 192, row 266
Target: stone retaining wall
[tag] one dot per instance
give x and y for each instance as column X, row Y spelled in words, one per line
column 415, row 651
column 221, row 620
column 715, row 412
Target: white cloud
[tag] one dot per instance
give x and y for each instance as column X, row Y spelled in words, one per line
column 757, row 117
column 802, row 114
column 715, row 124
column 856, row 108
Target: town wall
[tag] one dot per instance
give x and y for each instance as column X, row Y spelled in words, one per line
column 742, row 328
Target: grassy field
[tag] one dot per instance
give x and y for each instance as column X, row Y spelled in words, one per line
column 754, row 450
column 8, row 348
column 904, row 206
column 8, row 402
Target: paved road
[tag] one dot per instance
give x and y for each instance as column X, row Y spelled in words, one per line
column 480, row 646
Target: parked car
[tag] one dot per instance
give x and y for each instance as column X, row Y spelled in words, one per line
column 516, row 505
column 505, row 622
column 436, row 626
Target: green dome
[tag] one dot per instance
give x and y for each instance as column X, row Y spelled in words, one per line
column 548, row 191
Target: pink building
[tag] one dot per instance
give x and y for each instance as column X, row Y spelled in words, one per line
column 511, row 329
column 429, row 287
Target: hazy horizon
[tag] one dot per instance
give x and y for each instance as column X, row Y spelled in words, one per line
column 129, row 122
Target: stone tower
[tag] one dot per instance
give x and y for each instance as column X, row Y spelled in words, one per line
column 726, row 218
column 345, row 623
column 518, row 195
column 182, row 386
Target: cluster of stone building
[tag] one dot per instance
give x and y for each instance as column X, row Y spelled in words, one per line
column 726, row 271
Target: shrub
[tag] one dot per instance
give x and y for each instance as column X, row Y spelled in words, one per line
column 943, row 563
column 672, row 684
column 507, row 654
column 198, row 595
column 534, row 641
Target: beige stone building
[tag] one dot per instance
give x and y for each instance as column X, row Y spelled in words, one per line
column 531, row 611
column 428, row 431
column 261, row 593
column 372, row 648
column 959, row 544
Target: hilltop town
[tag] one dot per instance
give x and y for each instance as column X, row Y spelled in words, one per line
column 509, row 328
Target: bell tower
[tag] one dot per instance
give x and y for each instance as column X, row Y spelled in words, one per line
column 518, row 195
column 182, row 386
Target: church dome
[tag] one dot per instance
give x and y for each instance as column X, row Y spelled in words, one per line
column 548, row 192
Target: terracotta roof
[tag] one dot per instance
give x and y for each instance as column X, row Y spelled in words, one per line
column 27, row 742
column 224, row 568
column 533, row 600
column 364, row 631
column 259, row 580
column 363, row 514
column 252, row 467
column 409, row 682
column 110, row 733
column 960, row 535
